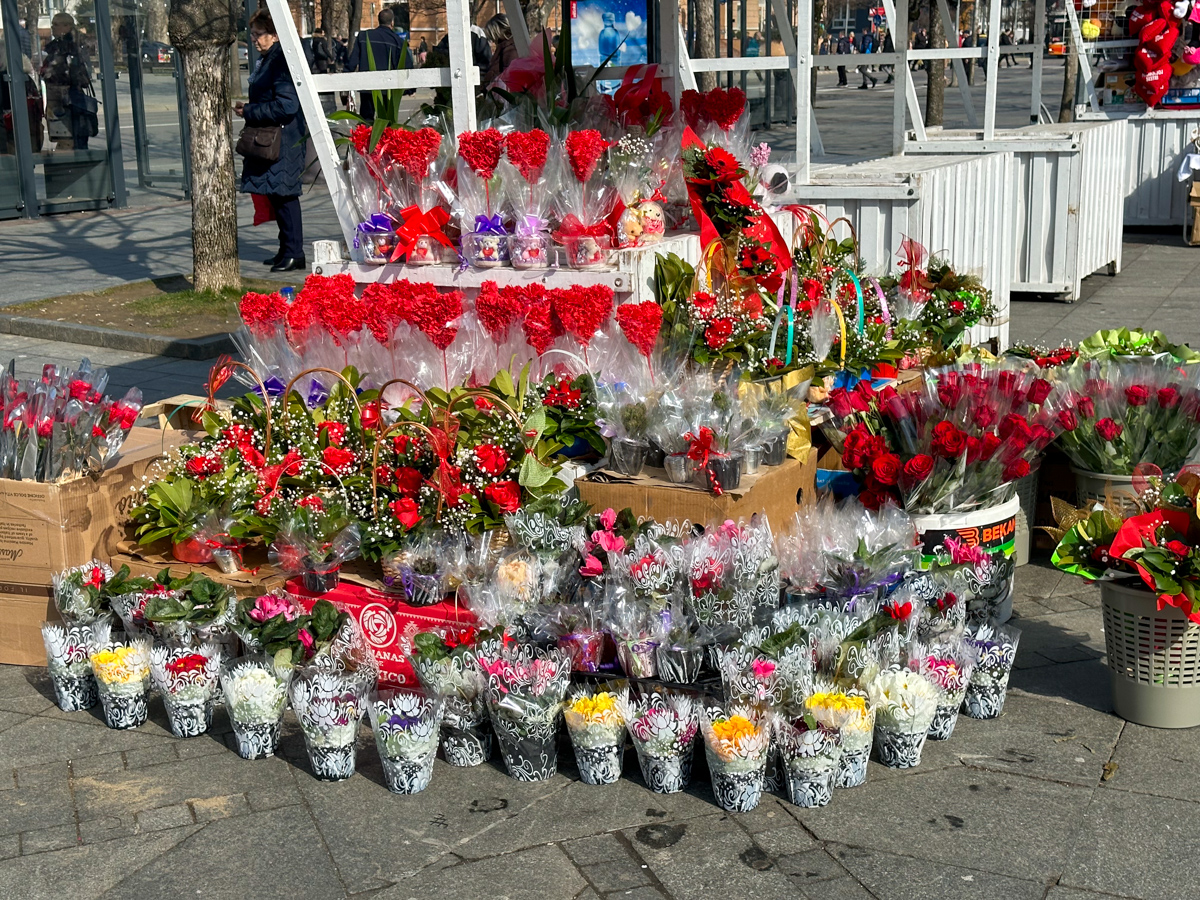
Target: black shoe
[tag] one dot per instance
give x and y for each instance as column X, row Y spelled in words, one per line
column 290, row 264
column 874, row 81
column 862, row 87
column 890, row 79
column 273, row 260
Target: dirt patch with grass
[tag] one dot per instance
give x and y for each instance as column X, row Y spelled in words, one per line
column 164, row 306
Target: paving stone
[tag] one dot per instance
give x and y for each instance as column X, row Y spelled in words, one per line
column 771, row 813
column 815, row 865
column 9, row 719
column 1156, row 761
column 638, row 893
column 539, row 873
column 1037, row 580
column 1083, row 683
column 107, row 828
column 837, row 889
column 151, row 756
column 93, row 765
column 591, row 850
column 207, row 744
column 56, row 838
column 617, row 875
column 164, row 817
column 39, row 800
column 87, row 871
column 210, row 809
column 1084, row 627
column 904, row 878
column 281, row 849
column 1113, row 848
column 30, row 705
column 10, row 846
column 47, row 739
column 688, row 859
column 1001, row 822
column 1058, row 892
column 1039, row 738
column 784, row 841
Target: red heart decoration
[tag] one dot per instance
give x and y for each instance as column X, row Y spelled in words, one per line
column 414, row 151
column 725, row 107
column 1139, row 18
column 582, row 310
column 1165, row 42
column 435, row 313
column 1152, row 86
column 584, row 149
column 640, row 323
column 541, row 326
column 1146, row 58
column 498, row 309
column 527, row 151
column 481, row 151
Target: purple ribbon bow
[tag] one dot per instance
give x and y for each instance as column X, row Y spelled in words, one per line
column 489, row 225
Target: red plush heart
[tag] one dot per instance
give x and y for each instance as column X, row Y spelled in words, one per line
column 584, row 149
column 414, row 151
column 541, row 326
column 1152, row 86
column 527, row 151
column 1146, row 58
column 497, row 309
column 435, row 314
column 640, row 323
column 1164, row 42
column 481, row 151
column 724, row 107
column 1139, row 18
column 582, row 310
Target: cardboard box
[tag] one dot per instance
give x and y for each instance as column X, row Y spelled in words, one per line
column 388, row 623
column 45, row 528
column 257, row 579
column 175, row 413
column 776, row 490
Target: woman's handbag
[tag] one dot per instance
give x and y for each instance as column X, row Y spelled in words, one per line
column 261, row 142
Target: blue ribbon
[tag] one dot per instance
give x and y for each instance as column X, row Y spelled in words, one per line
column 847, row 379
column 859, row 291
column 489, row 225
column 317, row 394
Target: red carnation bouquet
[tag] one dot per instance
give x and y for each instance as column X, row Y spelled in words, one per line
column 1123, row 412
column 263, row 340
column 959, row 444
column 585, row 201
column 375, row 234
column 480, row 198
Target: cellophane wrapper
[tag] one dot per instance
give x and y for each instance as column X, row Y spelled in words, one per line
column 187, row 692
column 663, row 729
column 256, row 695
column 996, row 646
column 329, row 705
column 67, row 649
column 597, row 731
column 737, row 742
column 122, row 667
column 407, row 726
column 526, row 690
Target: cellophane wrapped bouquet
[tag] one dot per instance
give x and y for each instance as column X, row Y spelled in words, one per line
column 737, row 741
column 84, row 594
column 67, row 657
column 330, row 703
column 415, row 161
column 995, row 648
column 585, row 201
column 407, row 725
column 810, row 750
column 375, row 232
column 905, row 705
column 447, row 667
column 531, row 187
column 1121, row 412
column 526, row 690
column 313, row 541
column 681, row 649
column 256, row 694
column 121, row 663
column 958, row 444
column 187, row 679
column 597, row 731
column 663, row 728
column 948, row 666
column 718, row 117
column 847, row 710
column 481, row 198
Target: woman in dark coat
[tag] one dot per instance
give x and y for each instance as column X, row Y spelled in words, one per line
column 273, row 101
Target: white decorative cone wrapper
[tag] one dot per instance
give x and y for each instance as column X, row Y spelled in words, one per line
column 408, row 776
column 599, row 765
column 899, row 749
column 739, row 787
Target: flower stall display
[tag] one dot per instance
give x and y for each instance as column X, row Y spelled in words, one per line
column 585, row 201
column 67, row 655
column 407, row 726
column 256, row 695
column 905, row 704
column 83, row 594
column 525, row 694
column 737, row 740
column 996, row 648
column 329, row 703
column 313, row 541
column 447, row 667
column 121, row 664
column 187, row 680
column 663, row 729
column 597, row 731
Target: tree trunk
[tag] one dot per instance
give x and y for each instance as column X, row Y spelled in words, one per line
column 156, row 21
column 335, row 16
column 355, row 20
column 30, row 10
column 706, row 42
column 935, row 69
column 1066, row 107
column 537, row 13
column 203, row 32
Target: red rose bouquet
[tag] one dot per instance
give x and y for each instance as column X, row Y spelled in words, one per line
column 481, row 198
column 958, row 444
column 1123, row 412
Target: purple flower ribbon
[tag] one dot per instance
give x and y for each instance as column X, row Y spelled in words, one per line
column 489, row 225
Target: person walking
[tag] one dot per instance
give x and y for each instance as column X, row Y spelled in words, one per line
column 920, row 42
column 71, row 106
column 844, row 46
column 422, row 51
column 1006, row 40
column 322, row 53
column 274, row 103
column 386, row 53
column 866, row 44
column 889, row 46
column 499, row 33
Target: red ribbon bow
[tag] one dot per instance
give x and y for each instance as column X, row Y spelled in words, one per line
column 416, row 225
column 572, row 228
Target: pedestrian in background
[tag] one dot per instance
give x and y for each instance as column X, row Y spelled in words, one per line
column 845, row 45
column 274, row 104
column 866, row 44
column 499, row 33
column 386, row 53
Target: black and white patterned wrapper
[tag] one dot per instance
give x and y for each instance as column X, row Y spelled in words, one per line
column 256, row 740
column 599, row 765
column 810, row 781
column 408, row 776
column 75, row 692
column 898, row 749
column 666, row 774
column 332, row 763
column 736, row 786
column 124, row 711
column 466, row 747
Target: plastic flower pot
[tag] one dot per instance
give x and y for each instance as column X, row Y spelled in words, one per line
column 188, row 718
column 124, row 711
column 585, row 648
column 1153, row 658
column 329, row 705
column 736, row 787
column 627, row 456
column 852, row 767
column 228, row 559
column 666, row 774
column 187, row 692
column 529, row 251
column 810, row 781
column 407, row 725
column 1094, row 487
column 122, row 677
column 899, row 749
column 192, row 550
column 255, row 698
column 485, row 250
column 655, row 456
column 638, row 658
column 332, row 763
column 1027, row 488
column 530, row 752
column 943, row 722
column 723, row 471
column 598, row 765
column 680, row 469
column 679, row 665
column 321, row 582
column 775, row 450
column 408, row 776
column 70, row 669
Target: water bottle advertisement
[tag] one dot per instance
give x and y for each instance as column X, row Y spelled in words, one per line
column 600, row 27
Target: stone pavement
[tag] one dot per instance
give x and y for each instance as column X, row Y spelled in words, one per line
column 1014, row 808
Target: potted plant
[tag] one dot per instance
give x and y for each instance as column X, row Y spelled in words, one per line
column 949, row 667
column 121, row 664
column 905, row 704
column 407, row 725
column 83, row 594
column 172, row 510
column 810, row 751
column 447, row 667
column 737, row 741
column 256, row 694
column 663, row 729
column 313, row 541
column 329, row 704
column 597, row 731
column 67, row 656
column 525, row 693
column 191, row 611
column 187, row 680
column 995, row 648
column 849, row 712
